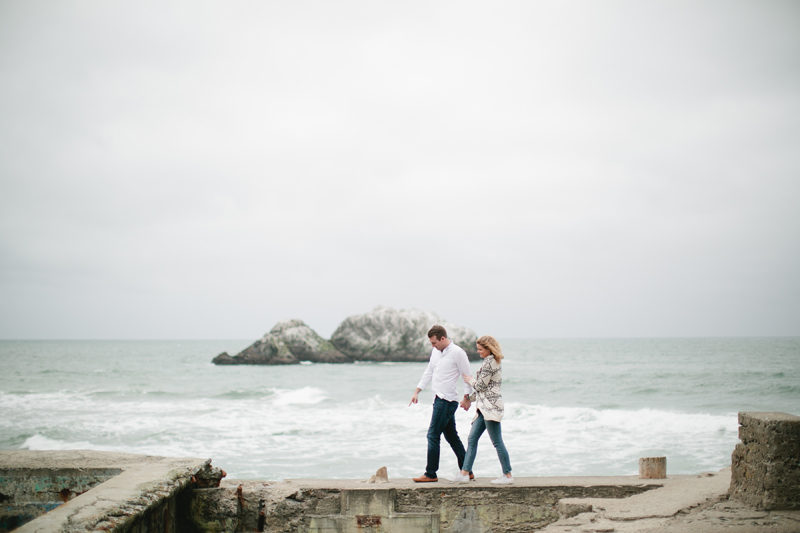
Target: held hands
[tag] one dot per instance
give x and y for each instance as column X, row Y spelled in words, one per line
column 465, row 403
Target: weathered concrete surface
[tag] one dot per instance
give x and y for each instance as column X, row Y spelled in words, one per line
column 26, row 494
column 141, row 497
column 402, row 505
column 50, row 484
column 164, row 495
column 693, row 504
column 766, row 464
column 677, row 504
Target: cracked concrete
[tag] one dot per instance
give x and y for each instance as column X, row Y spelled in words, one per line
column 151, row 495
column 626, row 504
column 119, row 503
column 689, row 505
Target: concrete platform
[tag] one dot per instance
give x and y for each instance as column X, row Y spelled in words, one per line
column 408, row 483
column 137, row 485
column 143, row 494
column 683, row 504
column 677, row 504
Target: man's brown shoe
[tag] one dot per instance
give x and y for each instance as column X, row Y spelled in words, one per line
column 425, row 479
column 471, row 475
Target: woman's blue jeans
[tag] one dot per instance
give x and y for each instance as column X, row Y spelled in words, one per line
column 478, row 427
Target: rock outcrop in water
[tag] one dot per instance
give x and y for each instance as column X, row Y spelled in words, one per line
column 289, row 342
column 385, row 334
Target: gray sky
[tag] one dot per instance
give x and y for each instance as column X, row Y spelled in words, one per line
column 526, row 169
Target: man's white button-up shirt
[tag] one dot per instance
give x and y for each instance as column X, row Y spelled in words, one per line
column 444, row 371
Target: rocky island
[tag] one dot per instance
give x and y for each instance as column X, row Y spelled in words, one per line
column 288, row 343
column 385, row 334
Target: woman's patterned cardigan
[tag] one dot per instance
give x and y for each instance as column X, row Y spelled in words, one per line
column 487, row 390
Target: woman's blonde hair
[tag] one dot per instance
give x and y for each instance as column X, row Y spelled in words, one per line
column 491, row 344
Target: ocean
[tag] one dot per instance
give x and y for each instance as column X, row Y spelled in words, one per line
column 573, row 406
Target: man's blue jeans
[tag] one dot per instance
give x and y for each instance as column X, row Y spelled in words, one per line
column 443, row 421
column 478, row 427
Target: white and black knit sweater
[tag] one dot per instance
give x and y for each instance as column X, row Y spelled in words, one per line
column 487, row 390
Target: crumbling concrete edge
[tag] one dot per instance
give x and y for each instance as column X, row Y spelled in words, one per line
column 123, row 515
column 655, row 507
column 146, row 483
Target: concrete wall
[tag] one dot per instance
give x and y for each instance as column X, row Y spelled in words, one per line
column 28, row 493
column 109, row 492
column 143, row 494
column 766, row 464
column 343, row 506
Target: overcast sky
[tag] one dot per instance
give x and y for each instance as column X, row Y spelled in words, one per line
column 525, row 169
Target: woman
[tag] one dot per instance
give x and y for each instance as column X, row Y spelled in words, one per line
column 489, row 405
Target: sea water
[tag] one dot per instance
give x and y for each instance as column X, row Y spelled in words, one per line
column 573, row 406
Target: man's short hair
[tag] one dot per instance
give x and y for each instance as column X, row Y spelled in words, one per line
column 437, row 331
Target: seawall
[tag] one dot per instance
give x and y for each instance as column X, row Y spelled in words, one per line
column 143, row 494
column 83, row 491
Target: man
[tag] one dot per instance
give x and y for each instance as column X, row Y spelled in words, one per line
column 447, row 364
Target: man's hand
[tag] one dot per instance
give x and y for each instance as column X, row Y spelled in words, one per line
column 414, row 397
column 465, row 403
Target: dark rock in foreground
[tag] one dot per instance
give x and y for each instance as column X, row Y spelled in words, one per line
column 386, row 334
column 289, row 342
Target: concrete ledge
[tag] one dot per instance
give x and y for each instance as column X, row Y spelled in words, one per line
column 168, row 495
column 677, row 494
column 570, row 481
column 141, row 493
column 316, row 506
column 626, row 504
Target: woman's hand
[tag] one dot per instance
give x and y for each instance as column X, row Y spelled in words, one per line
column 466, row 377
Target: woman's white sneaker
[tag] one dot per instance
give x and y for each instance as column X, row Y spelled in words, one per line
column 461, row 479
column 503, row 480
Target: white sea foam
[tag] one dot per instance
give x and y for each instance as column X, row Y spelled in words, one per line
column 40, row 442
column 305, row 396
